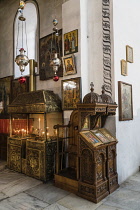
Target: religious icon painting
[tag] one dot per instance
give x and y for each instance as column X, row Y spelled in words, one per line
column 100, row 136
column 91, row 138
column 69, row 64
column 48, row 46
column 71, row 42
column 86, row 124
column 107, row 134
column 125, row 101
column 129, row 54
column 123, row 67
column 71, row 93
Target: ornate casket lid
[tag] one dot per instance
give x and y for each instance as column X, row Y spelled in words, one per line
column 41, row 101
column 106, row 98
column 91, row 97
column 92, row 102
column 111, row 105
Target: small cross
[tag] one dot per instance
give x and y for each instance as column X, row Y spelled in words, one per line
column 92, row 86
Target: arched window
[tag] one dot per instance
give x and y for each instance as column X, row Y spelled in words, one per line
column 30, row 12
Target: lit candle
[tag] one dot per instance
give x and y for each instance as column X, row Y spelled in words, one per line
column 39, row 124
column 39, row 127
column 55, row 132
column 22, row 130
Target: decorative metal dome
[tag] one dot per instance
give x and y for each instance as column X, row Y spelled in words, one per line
column 92, row 97
column 106, row 98
column 22, row 60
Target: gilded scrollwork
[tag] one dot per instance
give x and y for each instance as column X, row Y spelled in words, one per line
column 86, row 189
column 35, row 102
column 97, row 155
column 102, row 188
column 111, row 151
column 99, row 109
column 86, row 166
column 113, row 181
column 35, row 145
column 83, row 145
column 99, row 173
column 14, row 157
column 111, row 166
column 33, row 163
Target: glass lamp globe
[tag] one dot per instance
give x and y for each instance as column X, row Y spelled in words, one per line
column 22, row 60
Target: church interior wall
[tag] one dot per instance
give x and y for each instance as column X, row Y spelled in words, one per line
column 89, row 59
column 126, row 32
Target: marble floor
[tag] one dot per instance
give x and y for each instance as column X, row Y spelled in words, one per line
column 19, row 192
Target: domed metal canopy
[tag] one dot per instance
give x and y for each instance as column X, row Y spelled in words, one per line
column 106, row 98
column 91, row 97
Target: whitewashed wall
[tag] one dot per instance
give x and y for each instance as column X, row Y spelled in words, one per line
column 86, row 16
column 127, row 32
column 7, row 15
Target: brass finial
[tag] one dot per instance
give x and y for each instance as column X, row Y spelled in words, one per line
column 92, row 86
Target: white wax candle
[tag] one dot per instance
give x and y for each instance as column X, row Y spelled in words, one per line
column 39, row 124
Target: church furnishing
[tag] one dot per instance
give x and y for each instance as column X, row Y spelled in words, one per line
column 86, row 164
column 32, row 141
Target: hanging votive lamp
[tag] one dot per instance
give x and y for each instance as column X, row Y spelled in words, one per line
column 55, row 62
column 21, row 60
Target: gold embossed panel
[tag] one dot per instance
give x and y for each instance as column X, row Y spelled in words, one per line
column 14, row 157
column 86, row 166
column 33, row 163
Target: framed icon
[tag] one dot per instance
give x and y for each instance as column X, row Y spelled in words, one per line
column 100, row 136
column 107, row 134
column 90, row 137
column 71, row 93
column 124, row 68
column 129, row 54
column 71, row 42
column 48, row 46
column 125, row 101
column 69, row 64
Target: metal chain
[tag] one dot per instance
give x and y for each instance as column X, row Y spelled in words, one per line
column 17, row 37
column 22, row 34
column 26, row 38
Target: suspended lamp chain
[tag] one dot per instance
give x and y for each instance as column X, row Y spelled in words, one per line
column 17, row 37
column 26, row 38
column 22, row 34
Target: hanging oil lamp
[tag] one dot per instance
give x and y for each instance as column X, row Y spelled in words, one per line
column 22, row 60
column 55, row 62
